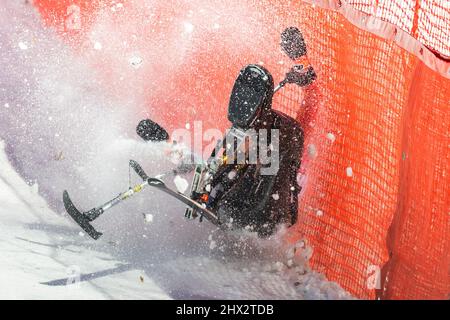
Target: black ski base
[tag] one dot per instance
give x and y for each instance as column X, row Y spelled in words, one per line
column 204, row 212
column 81, row 219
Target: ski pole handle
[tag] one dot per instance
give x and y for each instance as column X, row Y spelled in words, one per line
column 138, row 169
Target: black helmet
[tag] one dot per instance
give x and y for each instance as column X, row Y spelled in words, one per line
column 252, row 93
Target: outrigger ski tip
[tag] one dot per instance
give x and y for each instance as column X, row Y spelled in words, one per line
column 80, row 218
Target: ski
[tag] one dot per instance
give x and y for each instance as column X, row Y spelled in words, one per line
column 82, row 219
column 208, row 214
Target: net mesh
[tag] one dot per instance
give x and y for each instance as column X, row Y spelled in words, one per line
column 375, row 172
column 381, row 188
column 426, row 20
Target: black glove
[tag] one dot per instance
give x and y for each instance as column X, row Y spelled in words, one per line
column 151, row 131
column 300, row 76
column 293, row 43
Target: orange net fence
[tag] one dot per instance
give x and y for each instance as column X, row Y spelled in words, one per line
column 377, row 196
column 375, row 202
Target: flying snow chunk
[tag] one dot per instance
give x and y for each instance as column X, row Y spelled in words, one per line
column 188, row 27
column 279, row 266
column 35, row 188
column 116, row 7
column 349, row 172
column 148, row 218
column 81, row 234
column 98, row 46
column 331, row 137
column 276, row 196
column 312, row 151
column 135, row 61
column 23, row 45
column 212, row 245
column 319, row 213
column 181, row 184
column 232, row 174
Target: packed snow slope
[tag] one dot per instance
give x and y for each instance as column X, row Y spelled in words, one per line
column 59, row 131
column 38, row 245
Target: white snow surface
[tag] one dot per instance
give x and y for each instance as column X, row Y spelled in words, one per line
column 59, row 131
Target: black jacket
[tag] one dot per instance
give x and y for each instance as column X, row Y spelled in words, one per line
column 258, row 201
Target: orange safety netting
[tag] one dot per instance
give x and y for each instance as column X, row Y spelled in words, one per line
column 391, row 118
column 425, row 20
column 375, row 204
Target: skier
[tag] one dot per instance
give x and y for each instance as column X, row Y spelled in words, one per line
column 234, row 194
column 241, row 194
